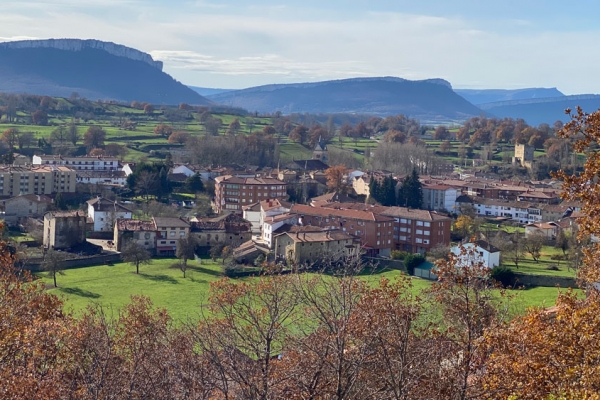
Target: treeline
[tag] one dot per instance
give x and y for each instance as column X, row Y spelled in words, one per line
column 257, row 149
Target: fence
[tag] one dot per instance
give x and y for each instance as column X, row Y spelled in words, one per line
column 425, row 274
column 385, row 263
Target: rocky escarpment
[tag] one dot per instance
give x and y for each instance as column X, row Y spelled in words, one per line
column 80, row 44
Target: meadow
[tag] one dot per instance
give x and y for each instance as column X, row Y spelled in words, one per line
column 113, row 285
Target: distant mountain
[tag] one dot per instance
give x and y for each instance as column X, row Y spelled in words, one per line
column 93, row 69
column 428, row 100
column 482, row 96
column 537, row 111
column 208, row 91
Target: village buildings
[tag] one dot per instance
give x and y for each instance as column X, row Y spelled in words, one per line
column 232, row 192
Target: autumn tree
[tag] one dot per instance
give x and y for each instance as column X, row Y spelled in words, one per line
column 298, row 134
column 94, row 137
column 234, row 127
column 115, row 150
column 336, row 178
column 149, row 109
column 464, row 225
column 393, row 136
column 163, row 130
column 441, row 133
column 445, row 146
column 54, row 264
column 10, row 137
column 39, row 117
column 212, row 126
column 179, row 137
column 96, row 152
column 135, row 255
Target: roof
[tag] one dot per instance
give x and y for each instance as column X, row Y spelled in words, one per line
column 248, row 181
column 279, row 218
column 308, row 165
column 180, row 177
column 45, row 157
column 542, row 225
column 135, row 225
column 171, row 222
column 326, row 212
column 486, row 246
column 252, row 207
column 101, row 204
column 270, row 204
column 33, row 198
column 332, row 197
column 66, row 214
column 413, row 213
column 322, row 236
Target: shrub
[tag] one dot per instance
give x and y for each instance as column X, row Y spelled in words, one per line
column 230, row 268
column 411, row 261
column 503, row 275
column 398, row 254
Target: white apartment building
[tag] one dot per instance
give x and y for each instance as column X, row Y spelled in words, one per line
column 518, row 211
column 86, row 163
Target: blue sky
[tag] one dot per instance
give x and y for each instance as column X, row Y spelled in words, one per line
column 236, row 44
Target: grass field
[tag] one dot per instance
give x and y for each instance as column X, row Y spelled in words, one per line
column 112, row 286
column 528, row 266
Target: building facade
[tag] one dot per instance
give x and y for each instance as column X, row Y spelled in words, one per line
column 86, row 163
column 232, row 193
column 313, row 246
column 18, row 181
column 30, row 205
column 104, row 213
column 64, row 229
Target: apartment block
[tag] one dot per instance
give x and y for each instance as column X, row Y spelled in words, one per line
column 18, row 181
column 232, row 192
column 86, row 163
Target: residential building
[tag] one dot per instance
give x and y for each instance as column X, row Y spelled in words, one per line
column 418, row 231
column 547, row 229
column 168, row 231
column 141, row 232
column 85, row 163
column 539, row 197
column 479, row 251
column 273, row 207
column 104, row 213
column 17, row 181
column 232, row 192
column 439, row 197
column 553, row 212
column 375, row 231
column 361, row 183
column 29, row 205
column 64, row 229
column 518, row 211
column 272, row 224
column 251, row 213
column 115, row 178
column 315, row 245
column 229, row 229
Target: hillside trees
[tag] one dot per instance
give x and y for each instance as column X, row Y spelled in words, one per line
column 163, row 130
column 94, row 137
column 299, row 134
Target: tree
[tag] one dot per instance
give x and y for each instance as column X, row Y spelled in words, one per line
column 562, row 241
column 250, row 124
column 464, row 225
column 97, row 152
column 149, row 109
column 72, row 133
column 411, row 192
column 59, row 134
column 163, row 130
column 25, row 139
column 445, row 146
column 115, row 150
column 10, row 137
column 212, row 126
column 298, row 134
column 179, row 137
column 186, row 249
column 39, row 118
column 135, row 255
column 193, row 184
column 393, row 136
column 336, row 178
column 441, row 133
column 533, row 245
column 54, row 264
column 94, row 137
column 515, row 251
column 146, row 183
column 234, row 127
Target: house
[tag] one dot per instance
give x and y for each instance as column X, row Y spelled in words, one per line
column 547, row 229
column 271, row 224
column 478, row 251
column 333, row 197
column 316, row 244
column 104, row 213
column 64, row 229
column 229, row 230
column 518, row 211
column 272, row 208
column 114, row 178
column 29, row 205
column 141, row 232
column 168, row 231
column 251, row 213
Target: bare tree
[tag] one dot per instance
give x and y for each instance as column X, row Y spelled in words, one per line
column 54, row 264
column 146, row 183
column 186, row 248
column 136, row 255
column 533, row 245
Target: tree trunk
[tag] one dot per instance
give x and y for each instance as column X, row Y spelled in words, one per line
column 54, row 276
column 137, row 268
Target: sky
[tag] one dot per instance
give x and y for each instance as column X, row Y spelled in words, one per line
column 501, row 44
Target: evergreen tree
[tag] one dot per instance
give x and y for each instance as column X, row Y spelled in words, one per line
column 374, row 189
column 194, row 184
column 411, row 193
column 59, row 202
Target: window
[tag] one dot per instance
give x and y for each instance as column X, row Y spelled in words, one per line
column 419, row 223
column 172, row 234
column 403, row 238
column 378, row 243
column 425, row 241
column 419, row 232
column 181, row 234
column 427, row 224
column 403, row 229
column 418, row 240
column 163, row 242
column 426, row 233
column 172, row 242
column 403, row 220
column 147, row 235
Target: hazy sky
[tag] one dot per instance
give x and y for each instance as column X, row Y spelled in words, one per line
column 236, row 44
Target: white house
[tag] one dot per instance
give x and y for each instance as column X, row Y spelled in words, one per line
column 271, row 224
column 518, row 211
column 478, row 251
column 115, row 178
column 104, row 213
column 85, row 163
column 272, row 208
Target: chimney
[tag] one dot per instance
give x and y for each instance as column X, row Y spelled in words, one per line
column 304, row 235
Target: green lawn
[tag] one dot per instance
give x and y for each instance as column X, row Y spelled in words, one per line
column 528, row 266
column 112, row 286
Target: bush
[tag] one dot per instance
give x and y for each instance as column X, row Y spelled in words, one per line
column 398, row 254
column 411, row 261
column 230, row 268
column 503, row 275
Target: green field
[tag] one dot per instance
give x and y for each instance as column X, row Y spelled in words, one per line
column 112, row 286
